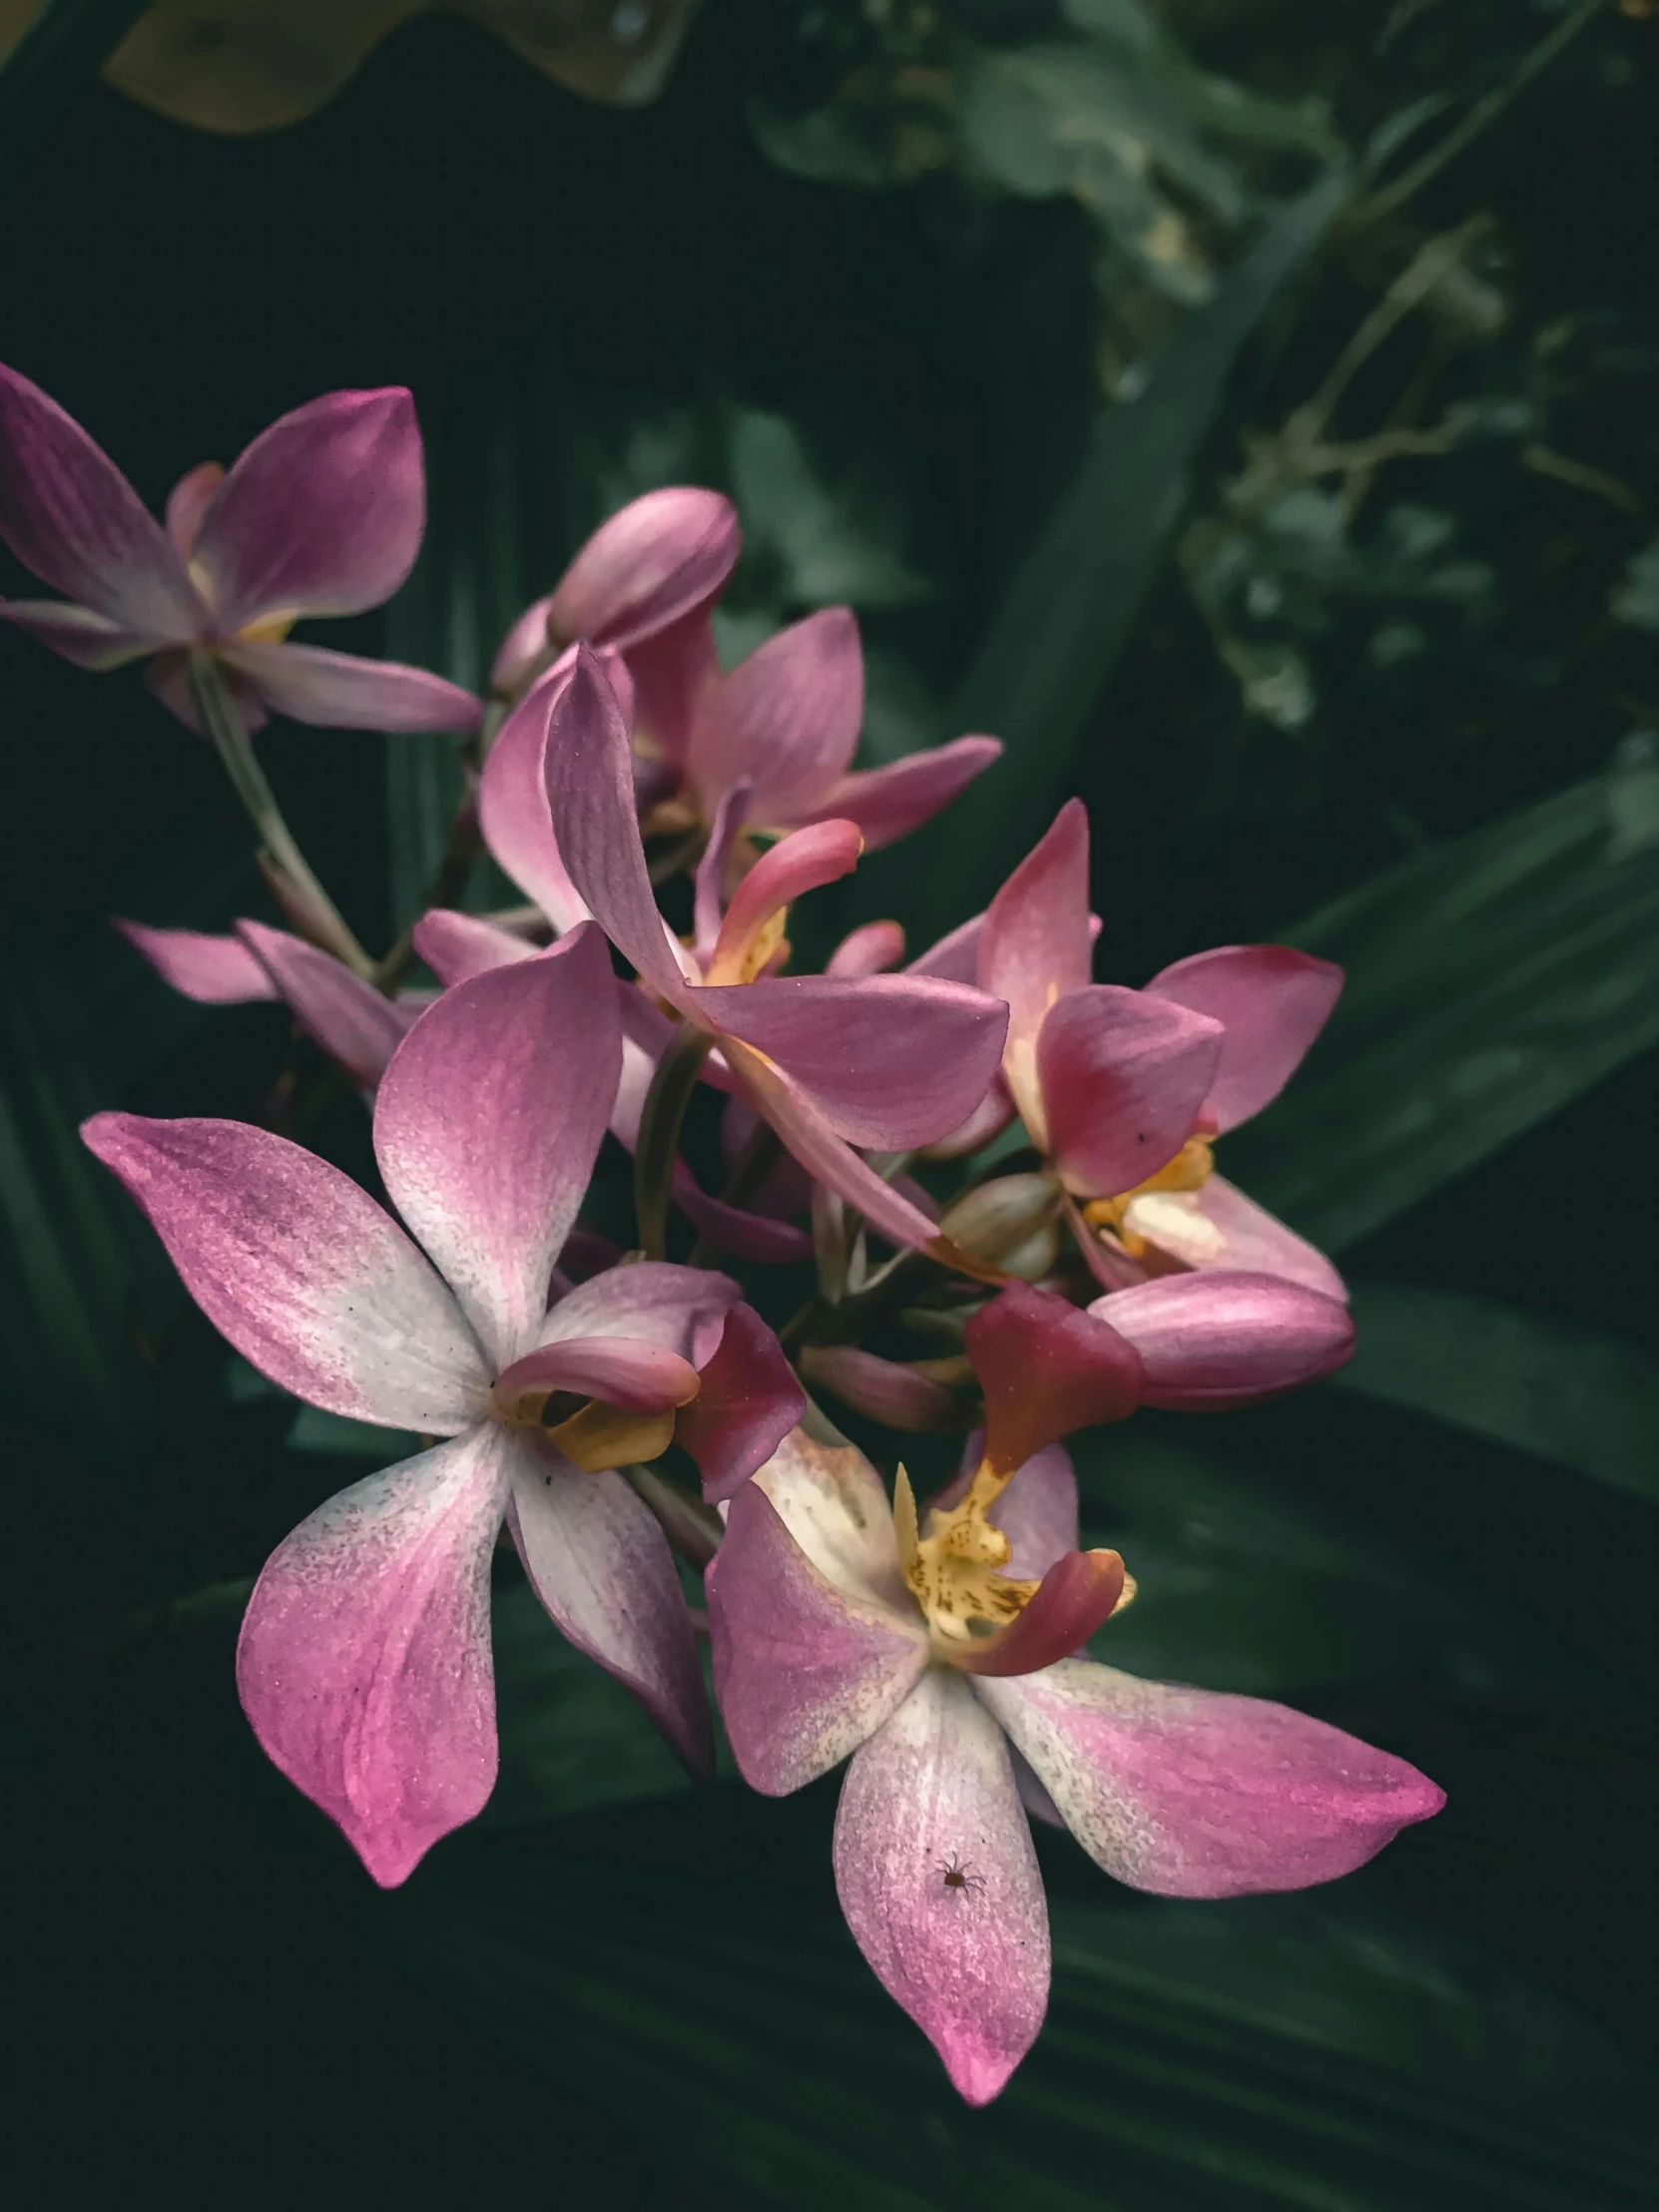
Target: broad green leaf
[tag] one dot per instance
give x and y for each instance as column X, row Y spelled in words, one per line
column 1491, row 979
column 1542, row 1381
column 51, row 67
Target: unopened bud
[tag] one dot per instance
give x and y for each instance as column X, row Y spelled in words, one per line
column 1013, row 1221
column 885, row 1390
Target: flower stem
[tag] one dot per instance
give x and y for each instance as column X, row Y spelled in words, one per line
column 659, row 1138
column 222, row 722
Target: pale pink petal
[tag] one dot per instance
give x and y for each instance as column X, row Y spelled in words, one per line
column 788, row 718
column 795, row 865
column 804, row 1671
column 601, row 1566
column 1224, row 1338
column 1037, row 1512
column 1199, row 1794
column 1035, row 948
column 354, row 1024
column 655, row 560
column 681, row 1309
column 458, row 946
column 1272, row 1000
column 870, row 949
column 76, row 633
column 748, row 1404
column 488, row 1121
column 1045, row 1369
column 301, row 1270
column 933, row 1793
column 364, row 1659
column 1077, row 1596
column 590, row 788
column 671, row 670
column 512, row 807
column 641, row 1378
column 70, row 516
column 1254, row 1240
column 885, row 1389
column 339, row 691
column 956, row 959
column 1123, row 1077
column 831, row 1500
column 888, row 802
column 709, row 884
column 189, row 501
column 322, row 515
column 215, row 972
column 888, row 1060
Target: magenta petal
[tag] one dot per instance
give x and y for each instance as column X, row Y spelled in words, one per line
column 1223, row 1339
column 168, row 679
column 1123, row 1077
column 671, row 670
column 322, row 515
column 76, row 633
column 1272, row 1003
column 364, row 1658
column 748, row 1404
column 1035, row 948
column 870, row 949
column 601, row 1566
column 885, row 1389
column 70, row 516
column 523, row 651
column 628, row 1372
column 1077, row 1596
column 339, row 691
column 488, row 1121
column 805, row 1670
column 930, row 1791
column 215, row 972
column 356, row 1025
column 787, row 718
column 189, row 501
column 888, row 802
column 800, row 863
column 301, row 1270
column 655, row 560
column 1256, row 1241
column 457, row 947
column 681, row 1309
column 512, row 807
column 888, row 1060
column 1199, row 1794
column 1045, row 1369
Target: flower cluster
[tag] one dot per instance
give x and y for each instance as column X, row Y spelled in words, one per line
column 1063, row 1271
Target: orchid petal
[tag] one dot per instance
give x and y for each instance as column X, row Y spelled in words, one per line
column 1272, row 1000
column 70, row 516
column 1256, row 1240
column 1047, row 1368
column 885, row 1389
column 732, row 1228
column 1228, row 1338
column 709, row 882
column 956, row 959
column 681, row 1309
column 340, row 691
column 322, row 515
column 888, row 802
column 601, row 1567
column 523, row 652
column 1077, row 1596
column 1035, row 947
column 788, row 718
column 189, row 501
column 512, row 807
column 870, row 949
column 831, row 1501
column 214, row 972
column 364, row 1660
column 301, row 1270
column 488, row 1121
column 356, row 1024
column 168, row 679
column 1122, row 1077
column 671, row 670
column 655, row 560
column 933, row 1791
column 76, row 633
column 805, row 1670
column 987, row 1120
column 749, row 1402
column 626, row 1372
column 458, row 946
column 800, row 863
column 1201, row 1794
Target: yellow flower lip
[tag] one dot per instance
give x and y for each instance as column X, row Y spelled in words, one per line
column 952, row 1569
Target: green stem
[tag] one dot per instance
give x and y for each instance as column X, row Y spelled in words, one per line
column 659, row 1139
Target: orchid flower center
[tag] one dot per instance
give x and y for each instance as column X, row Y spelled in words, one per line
column 952, row 1569
column 1164, row 1210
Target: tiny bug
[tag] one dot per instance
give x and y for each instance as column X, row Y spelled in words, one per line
column 958, row 1877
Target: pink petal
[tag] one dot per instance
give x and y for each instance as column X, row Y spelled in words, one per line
column 671, row 670
column 655, row 560
column 1261, row 1243
column 301, row 1270
column 1045, row 1369
column 215, row 972
column 322, row 515
column 709, row 884
column 364, row 1658
column 956, row 959
column 1272, row 1003
column 189, row 501
column 831, row 1500
column 1224, row 1338
column 888, row 1060
column 797, row 864
column 1076, row 1597
column 356, row 1024
column 987, row 1120
column 788, row 718
column 524, row 652
column 804, row 1671
column 730, row 1229
column 884, row 1390
column 70, row 516
column 1123, row 1077
column 888, row 802
column 933, row 1791
column 590, row 788
column 76, row 633
column 601, row 1567
column 488, row 1121
column 1199, row 1794
column 168, row 679
column 458, row 946
column 619, row 1370
column 749, row 1402
column 1035, row 948
column 512, row 807
column 339, row 691
column 1037, row 1512
column 681, row 1309
column 870, row 949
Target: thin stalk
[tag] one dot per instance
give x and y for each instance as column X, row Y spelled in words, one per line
column 659, row 1138
column 222, row 722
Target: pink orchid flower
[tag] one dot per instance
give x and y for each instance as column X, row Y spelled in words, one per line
column 364, row 1659
column 941, row 1655
column 322, row 515
column 1123, row 1091
column 832, row 1062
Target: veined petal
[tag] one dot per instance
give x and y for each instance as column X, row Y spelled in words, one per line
column 804, row 1671
column 628, row 1372
column 888, row 802
column 512, row 806
column 364, row 1659
column 301, row 1270
column 749, row 1402
column 457, row 946
column 1255, row 1240
column 1045, row 1369
column 932, row 1793
column 70, row 516
column 601, row 1567
column 1272, row 1000
column 488, row 1122
column 322, row 515
column 215, row 972
column 653, row 561
column 870, row 949
column 77, row 634
column 681, row 1309
column 1123, row 1077
column 1035, row 949
column 1224, row 1338
column 339, row 691
column 356, row 1024
column 788, row 718
column 1200, row 1793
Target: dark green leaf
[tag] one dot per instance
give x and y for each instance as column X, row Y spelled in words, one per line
column 51, row 65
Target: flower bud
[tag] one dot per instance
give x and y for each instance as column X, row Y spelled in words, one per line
column 1012, row 1222
column 898, row 1395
